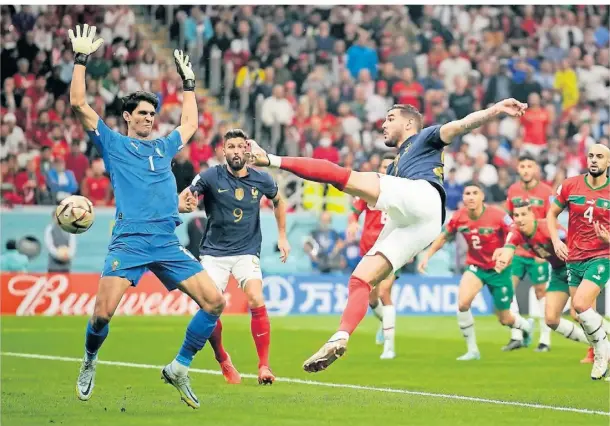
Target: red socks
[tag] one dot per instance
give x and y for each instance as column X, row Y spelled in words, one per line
column 261, row 333
column 317, row 170
column 357, row 304
column 216, row 343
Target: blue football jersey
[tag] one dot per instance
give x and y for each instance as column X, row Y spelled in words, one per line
column 142, row 179
column 422, row 157
column 232, row 205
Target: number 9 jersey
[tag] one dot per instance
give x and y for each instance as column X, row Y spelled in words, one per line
column 585, row 205
column 484, row 234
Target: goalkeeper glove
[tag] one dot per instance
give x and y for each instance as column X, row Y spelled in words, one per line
column 83, row 45
column 185, row 69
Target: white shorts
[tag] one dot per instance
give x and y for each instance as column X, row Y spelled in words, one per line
column 414, row 210
column 243, row 267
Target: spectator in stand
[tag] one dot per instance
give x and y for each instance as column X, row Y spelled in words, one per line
column 453, row 66
column 325, row 150
column 200, row 148
column 276, row 111
column 324, row 246
column 362, row 56
column 566, row 82
column 499, row 190
column 77, row 161
column 461, row 101
column 14, row 134
column 454, row 191
column 61, row 182
column 183, row 169
column 96, row 186
column 535, row 122
column 28, row 181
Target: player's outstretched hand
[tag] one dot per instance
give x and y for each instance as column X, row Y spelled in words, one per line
column 601, row 232
column 284, row 247
column 183, row 65
column 83, row 43
column 256, row 155
column 512, row 107
column 187, row 201
column 561, row 250
column 423, row 264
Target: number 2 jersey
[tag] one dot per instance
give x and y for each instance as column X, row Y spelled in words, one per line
column 585, row 205
column 142, row 179
column 539, row 198
column 539, row 243
column 483, row 235
column 374, row 220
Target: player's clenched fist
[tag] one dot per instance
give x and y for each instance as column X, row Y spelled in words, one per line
column 84, row 43
column 187, row 201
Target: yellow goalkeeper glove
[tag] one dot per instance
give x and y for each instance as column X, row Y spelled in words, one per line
column 83, row 45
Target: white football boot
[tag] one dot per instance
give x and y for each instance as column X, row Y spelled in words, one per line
column 183, row 384
column 86, row 379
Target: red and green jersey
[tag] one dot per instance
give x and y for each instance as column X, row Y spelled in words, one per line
column 484, row 234
column 585, row 205
column 374, row 221
column 539, row 243
column 539, row 197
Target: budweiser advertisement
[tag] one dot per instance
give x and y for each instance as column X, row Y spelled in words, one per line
column 74, row 294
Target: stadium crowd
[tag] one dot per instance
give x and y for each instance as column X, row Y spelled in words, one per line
column 327, row 76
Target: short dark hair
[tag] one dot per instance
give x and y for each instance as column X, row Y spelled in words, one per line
column 11, row 245
column 410, row 111
column 235, row 133
column 131, row 102
column 388, row 156
column 473, row 183
column 522, row 203
column 526, row 157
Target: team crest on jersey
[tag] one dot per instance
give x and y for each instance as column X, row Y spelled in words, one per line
column 540, row 269
column 254, row 193
column 115, row 264
column 239, row 194
column 600, row 269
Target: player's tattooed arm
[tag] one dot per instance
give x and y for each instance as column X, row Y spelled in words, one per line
column 477, row 119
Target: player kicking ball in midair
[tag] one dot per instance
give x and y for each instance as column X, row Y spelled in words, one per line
column 484, row 228
column 380, row 298
column 587, row 254
column 232, row 241
column 533, row 234
column 525, row 262
column 412, row 195
column 146, row 216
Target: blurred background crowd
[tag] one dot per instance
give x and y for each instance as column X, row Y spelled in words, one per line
column 311, row 81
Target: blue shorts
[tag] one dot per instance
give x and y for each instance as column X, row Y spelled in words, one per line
column 129, row 256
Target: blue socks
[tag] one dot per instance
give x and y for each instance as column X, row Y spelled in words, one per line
column 197, row 333
column 94, row 340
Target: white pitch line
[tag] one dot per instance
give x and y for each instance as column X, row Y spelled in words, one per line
column 329, row 385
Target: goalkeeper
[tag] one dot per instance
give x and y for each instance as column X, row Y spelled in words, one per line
column 147, row 207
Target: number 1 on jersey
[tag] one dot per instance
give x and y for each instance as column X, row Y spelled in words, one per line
column 152, row 165
column 589, row 213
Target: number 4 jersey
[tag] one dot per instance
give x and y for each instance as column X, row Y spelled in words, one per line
column 484, row 234
column 585, row 205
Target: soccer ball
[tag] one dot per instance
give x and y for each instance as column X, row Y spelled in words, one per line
column 75, row 214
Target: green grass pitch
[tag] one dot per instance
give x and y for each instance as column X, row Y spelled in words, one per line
column 41, row 391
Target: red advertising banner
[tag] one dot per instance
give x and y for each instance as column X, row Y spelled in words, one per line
column 74, row 294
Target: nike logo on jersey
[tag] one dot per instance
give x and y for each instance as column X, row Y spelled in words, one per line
column 222, row 190
column 590, row 202
column 262, row 334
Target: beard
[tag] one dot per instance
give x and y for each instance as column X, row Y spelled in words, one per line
column 597, row 173
column 236, row 163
